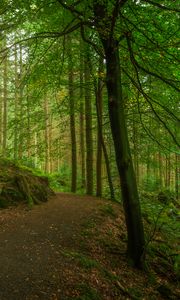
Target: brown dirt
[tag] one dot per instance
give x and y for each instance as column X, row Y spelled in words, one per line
column 67, row 249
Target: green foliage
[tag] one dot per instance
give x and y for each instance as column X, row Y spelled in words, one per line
column 162, row 218
column 58, row 182
column 166, row 196
column 27, row 162
column 151, row 184
column 177, row 265
column 109, row 275
column 30, row 202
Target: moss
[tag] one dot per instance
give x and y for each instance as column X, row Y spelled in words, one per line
column 108, row 210
column 87, row 292
column 18, row 184
column 83, row 260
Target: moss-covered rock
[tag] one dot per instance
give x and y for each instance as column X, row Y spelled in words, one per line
column 20, row 184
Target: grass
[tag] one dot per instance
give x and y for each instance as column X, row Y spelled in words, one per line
column 87, row 292
column 108, row 210
column 85, row 261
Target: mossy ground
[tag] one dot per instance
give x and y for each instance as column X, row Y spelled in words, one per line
column 20, row 184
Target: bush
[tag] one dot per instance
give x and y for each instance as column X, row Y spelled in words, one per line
column 151, row 184
column 166, row 196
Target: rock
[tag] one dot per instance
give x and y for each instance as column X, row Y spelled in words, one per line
column 20, row 184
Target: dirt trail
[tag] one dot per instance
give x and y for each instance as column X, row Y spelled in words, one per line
column 31, row 243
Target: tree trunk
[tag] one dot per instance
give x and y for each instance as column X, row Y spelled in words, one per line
column 50, row 137
column 4, row 145
column 46, row 134
column 177, row 172
column 82, row 145
column 160, row 169
column 135, row 146
column 1, row 123
column 98, row 92
column 99, row 133
column 16, row 111
column 130, row 195
column 28, row 133
column 89, row 138
column 72, row 122
column 148, row 167
column 21, row 107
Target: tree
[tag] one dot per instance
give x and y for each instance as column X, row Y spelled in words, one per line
column 106, row 19
column 5, row 103
column 72, row 119
column 88, row 116
column 133, row 39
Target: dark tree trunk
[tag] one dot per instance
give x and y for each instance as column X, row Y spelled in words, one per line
column 177, row 172
column 160, row 169
column 28, row 134
column 46, row 135
column 135, row 146
column 99, row 133
column 89, row 137
column 72, row 123
column 5, row 111
column 21, row 107
column 98, row 92
column 82, row 144
column 130, row 195
column 16, row 106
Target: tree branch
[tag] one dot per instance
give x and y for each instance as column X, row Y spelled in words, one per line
column 145, row 95
column 44, row 35
column 161, row 6
column 88, row 41
column 72, row 8
column 135, row 63
column 117, row 6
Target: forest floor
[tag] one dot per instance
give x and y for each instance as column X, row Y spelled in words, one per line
column 73, row 247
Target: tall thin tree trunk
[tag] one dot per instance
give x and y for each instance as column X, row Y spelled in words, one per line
column 50, row 136
column 82, row 144
column 72, row 121
column 4, row 145
column 98, row 92
column 46, row 134
column 167, row 171
column 89, row 137
column 99, row 132
column 28, row 135
column 148, row 166
column 135, row 145
column 1, row 124
column 21, row 108
column 177, row 176
column 35, row 148
column 160, row 169
column 16, row 111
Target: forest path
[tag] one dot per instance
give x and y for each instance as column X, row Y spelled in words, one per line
column 32, row 265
